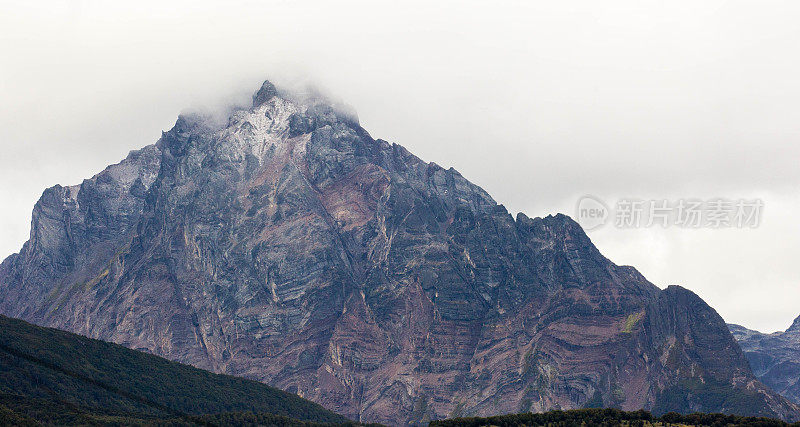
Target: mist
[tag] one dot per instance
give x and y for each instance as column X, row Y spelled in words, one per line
column 539, row 103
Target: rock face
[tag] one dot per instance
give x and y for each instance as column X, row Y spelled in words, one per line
column 774, row 358
column 291, row 247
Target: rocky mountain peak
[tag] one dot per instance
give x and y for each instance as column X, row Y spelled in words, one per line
column 265, row 93
column 289, row 246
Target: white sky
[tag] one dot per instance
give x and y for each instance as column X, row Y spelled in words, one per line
column 538, row 102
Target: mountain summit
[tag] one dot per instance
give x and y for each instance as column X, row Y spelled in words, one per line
column 291, row 247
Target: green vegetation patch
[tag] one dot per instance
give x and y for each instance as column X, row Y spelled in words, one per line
column 631, row 322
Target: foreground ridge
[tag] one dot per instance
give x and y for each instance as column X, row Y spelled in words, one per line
column 51, row 376
column 288, row 246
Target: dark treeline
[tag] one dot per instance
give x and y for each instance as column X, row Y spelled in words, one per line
column 609, row 417
column 26, row 411
column 58, row 378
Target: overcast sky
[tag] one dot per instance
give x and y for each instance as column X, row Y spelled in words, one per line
column 540, row 103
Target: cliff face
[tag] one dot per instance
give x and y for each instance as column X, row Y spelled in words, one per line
column 75, row 231
column 291, row 247
column 774, row 358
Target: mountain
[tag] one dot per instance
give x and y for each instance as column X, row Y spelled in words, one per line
column 288, row 246
column 56, row 377
column 774, row 358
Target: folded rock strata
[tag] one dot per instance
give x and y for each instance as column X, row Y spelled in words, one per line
column 291, row 247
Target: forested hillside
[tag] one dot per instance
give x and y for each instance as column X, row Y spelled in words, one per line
column 56, row 377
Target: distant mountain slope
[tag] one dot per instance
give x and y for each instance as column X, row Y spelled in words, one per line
column 775, row 358
column 288, row 246
column 46, row 374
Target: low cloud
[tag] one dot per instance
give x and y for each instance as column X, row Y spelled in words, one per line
column 538, row 102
